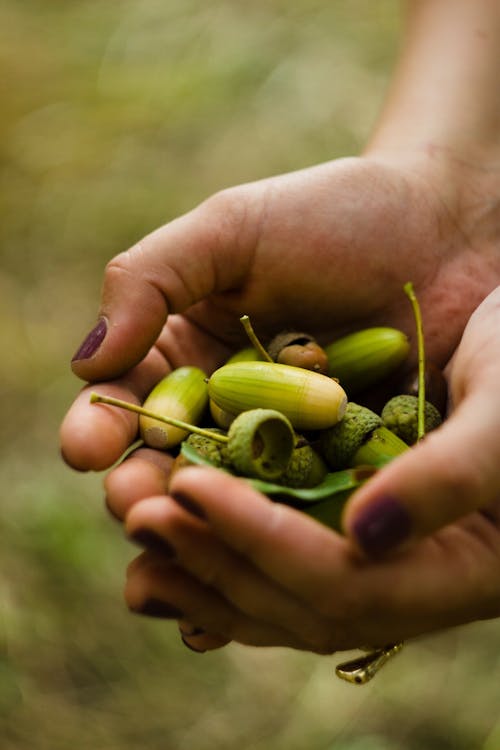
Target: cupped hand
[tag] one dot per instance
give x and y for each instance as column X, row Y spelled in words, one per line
column 231, row 564
column 325, row 249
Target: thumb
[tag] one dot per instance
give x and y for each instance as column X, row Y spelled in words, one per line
column 452, row 472
column 168, row 271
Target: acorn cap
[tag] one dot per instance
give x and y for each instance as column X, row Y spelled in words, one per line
column 306, row 468
column 339, row 443
column 261, row 443
column 400, row 415
column 213, row 450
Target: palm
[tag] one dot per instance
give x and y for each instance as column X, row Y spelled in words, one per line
column 323, row 250
column 330, row 248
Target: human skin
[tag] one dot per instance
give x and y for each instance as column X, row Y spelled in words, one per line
column 327, row 249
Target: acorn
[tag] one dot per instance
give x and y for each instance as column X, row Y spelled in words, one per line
column 310, row 401
column 436, row 387
column 248, row 354
column 222, row 419
column 306, row 468
column 208, row 447
column 182, row 394
column 400, row 415
column 361, row 359
column 299, row 350
column 359, row 438
column 260, row 444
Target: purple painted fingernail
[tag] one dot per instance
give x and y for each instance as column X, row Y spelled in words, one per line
column 383, row 525
column 93, row 341
column 185, row 502
column 152, row 541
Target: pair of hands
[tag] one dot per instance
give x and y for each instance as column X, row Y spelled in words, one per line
column 327, row 250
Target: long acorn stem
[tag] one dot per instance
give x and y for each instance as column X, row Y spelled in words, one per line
column 97, row 398
column 410, row 292
column 360, row 671
column 245, row 322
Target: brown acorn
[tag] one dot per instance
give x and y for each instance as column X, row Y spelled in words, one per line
column 298, row 350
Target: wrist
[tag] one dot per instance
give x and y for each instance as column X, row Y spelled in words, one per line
column 445, row 95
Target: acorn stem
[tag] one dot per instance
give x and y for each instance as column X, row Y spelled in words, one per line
column 97, row 398
column 410, row 293
column 245, row 321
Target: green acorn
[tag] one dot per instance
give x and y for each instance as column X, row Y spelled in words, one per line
column 306, row 468
column 400, row 416
column 182, row 394
column 359, row 438
column 259, row 443
column 214, row 450
column 248, row 354
column 309, row 400
column 361, row 359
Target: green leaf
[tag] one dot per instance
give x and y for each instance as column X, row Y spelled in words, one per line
column 335, row 483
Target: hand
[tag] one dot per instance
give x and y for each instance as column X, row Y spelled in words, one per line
column 238, row 566
column 325, row 249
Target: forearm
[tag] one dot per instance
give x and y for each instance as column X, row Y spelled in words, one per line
column 445, row 93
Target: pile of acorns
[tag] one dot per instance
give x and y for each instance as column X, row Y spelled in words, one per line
column 281, row 415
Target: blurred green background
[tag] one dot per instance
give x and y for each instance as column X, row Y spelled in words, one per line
column 116, row 117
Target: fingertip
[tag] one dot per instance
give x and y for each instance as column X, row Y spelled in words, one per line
column 379, row 527
column 92, row 342
column 140, row 476
column 82, row 452
column 92, row 438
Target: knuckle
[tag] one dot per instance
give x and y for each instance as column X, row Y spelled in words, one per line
column 121, row 264
column 463, row 485
column 228, row 214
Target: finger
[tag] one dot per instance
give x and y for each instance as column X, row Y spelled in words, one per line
column 200, row 253
column 196, row 639
column 452, row 472
column 158, row 588
column 94, row 436
column 143, row 474
column 448, row 579
column 199, row 642
column 159, row 520
column 444, row 580
column 295, row 551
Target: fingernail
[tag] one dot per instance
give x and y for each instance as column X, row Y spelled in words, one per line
column 152, row 541
column 157, row 608
column 382, row 526
column 192, row 648
column 93, row 341
column 185, row 502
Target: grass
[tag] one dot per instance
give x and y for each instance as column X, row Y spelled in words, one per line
column 117, row 117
